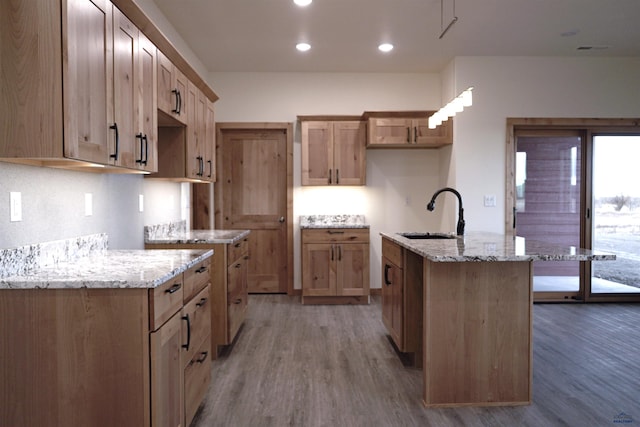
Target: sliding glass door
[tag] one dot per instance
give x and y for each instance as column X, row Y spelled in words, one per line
column 548, row 204
column 616, row 214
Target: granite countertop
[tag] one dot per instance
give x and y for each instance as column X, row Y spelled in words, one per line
column 196, row 237
column 333, row 221
column 110, row 269
column 484, row 246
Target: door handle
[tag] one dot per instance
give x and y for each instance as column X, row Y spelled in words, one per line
column 281, row 220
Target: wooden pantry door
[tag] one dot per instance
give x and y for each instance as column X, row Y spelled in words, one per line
column 254, row 191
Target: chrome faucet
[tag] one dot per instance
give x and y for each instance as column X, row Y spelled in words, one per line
column 432, row 205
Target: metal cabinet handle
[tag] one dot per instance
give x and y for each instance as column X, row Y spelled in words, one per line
column 337, row 176
column 408, row 135
column 202, row 302
column 339, row 252
column 146, row 149
column 186, row 346
column 386, row 274
column 238, row 301
column 201, row 269
column 210, row 168
column 141, row 159
column 332, row 253
column 329, row 176
column 415, row 134
column 178, row 107
column 115, row 127
column 203, row 357
column 281, row 219
column 175, row 288
column 335, row 231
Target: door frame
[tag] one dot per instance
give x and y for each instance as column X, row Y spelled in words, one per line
column 589, row 126
column 287, row 128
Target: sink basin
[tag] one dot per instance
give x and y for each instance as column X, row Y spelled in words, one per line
column 422, row 236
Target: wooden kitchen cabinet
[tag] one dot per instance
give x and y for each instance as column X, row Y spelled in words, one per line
column 77, row 81
column 104, row 357
column 172, row 92
column 335, row 266
column 406, row 130
column 402, row 299
column 333, row 152
column 227, row 274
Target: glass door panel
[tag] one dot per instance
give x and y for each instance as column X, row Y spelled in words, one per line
column 616, row 214
column 548, row 205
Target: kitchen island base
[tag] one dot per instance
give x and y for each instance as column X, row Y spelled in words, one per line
column 477, row 319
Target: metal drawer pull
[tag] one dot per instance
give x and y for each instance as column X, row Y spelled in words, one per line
column 238, row 265
column 175, row 288
column 238, row 301
column 201, row 269
column 335, row 232
column 202, row 302
column 186, row 346
column 203, row 357
column 386, row 274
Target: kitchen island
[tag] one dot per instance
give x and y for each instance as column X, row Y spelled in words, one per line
column 114, row 338
column 463, row 304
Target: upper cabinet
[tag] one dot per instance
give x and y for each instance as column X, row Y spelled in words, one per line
column 406, row 130
column 79, row 85
column 333, row 152
column 172, row 92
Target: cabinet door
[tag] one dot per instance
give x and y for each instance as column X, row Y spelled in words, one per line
column 125, row 95
column 317, row 153
column 237, row 296
column 319, row 269
column 390, row 131
column 392, row 290
column 349, row 141
column 87, row 72
column 352, row 269
column 193, row 110
column 172, row 89
column 210, row 143
column 147, row 149
column 430, row 138
column 167, row 375
column 196, row 324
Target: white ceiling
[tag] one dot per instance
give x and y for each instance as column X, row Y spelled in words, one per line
column 260, row 35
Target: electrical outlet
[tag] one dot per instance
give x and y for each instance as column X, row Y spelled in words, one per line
column 489, row 200
column 88, row 204
column 140, row 203
column 16, row 206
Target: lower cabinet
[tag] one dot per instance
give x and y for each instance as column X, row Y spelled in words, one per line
column 104, row 357
column 335, row 266
column 229, row 292
column 402, row 299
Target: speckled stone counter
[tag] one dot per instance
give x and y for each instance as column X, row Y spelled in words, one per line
column 197, row 236
column 483, row 246
column 333, row 221
column 109, row 269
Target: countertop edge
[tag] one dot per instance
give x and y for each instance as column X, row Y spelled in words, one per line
column 182, row 240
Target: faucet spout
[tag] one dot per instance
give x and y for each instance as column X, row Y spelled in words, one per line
column 432, row 205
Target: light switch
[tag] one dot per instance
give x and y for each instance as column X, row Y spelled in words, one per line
column 490, row 200
column 140, row 203
column 16, row 206
column 88, row 204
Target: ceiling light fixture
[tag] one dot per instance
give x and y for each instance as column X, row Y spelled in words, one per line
column 303, row 47
column 302, row 3
column 456, row 105
column 385, row 47
column 453, row 21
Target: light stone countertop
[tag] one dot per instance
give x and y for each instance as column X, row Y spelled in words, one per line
column 110, row 269
column 196, row 237
column 333, row 221
column 484, row 246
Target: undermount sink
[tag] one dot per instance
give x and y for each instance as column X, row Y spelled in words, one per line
column 421, row 236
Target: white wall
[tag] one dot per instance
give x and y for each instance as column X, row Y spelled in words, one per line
column 399, row 182
column 527, row 87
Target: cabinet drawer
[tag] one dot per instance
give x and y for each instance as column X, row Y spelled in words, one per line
column 392, row 251
column 164, row 301
column 196, row 325
column 237, row 250
column 197, row 377
column 236, row 296
column 196, row 278
column 327, row 235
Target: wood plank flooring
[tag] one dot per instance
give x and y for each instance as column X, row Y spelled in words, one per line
column 295, row 365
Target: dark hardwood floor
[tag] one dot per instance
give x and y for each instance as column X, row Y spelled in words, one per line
column 295, row 365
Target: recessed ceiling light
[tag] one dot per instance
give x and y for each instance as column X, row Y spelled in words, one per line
column 302, row 2
column 385, row 47
column 303, row 47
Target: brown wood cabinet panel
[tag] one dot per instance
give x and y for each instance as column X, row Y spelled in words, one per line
column 197, row 377
column 167, row 375
column 196, row 325
column 147, row 150
column 172, row 92
column 335, row 263
column 410, row 131
column 333, row 153
column 165, row 300
column 196, row 278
